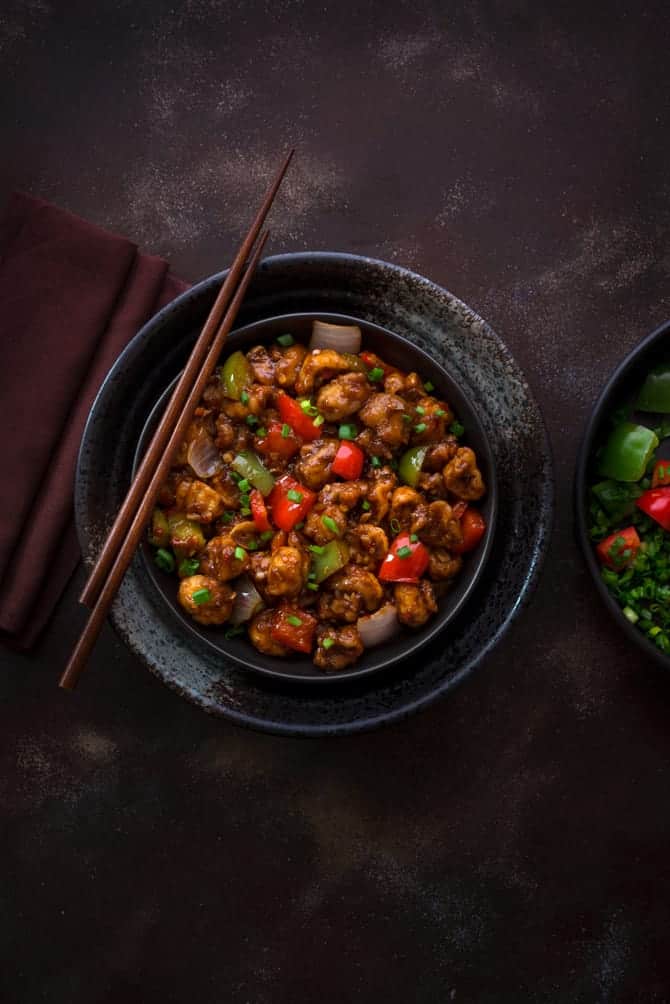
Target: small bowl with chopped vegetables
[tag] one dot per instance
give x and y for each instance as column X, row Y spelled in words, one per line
column 333, row 503
column 623, row 494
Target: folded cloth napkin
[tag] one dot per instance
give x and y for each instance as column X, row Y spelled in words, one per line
column 72, row 296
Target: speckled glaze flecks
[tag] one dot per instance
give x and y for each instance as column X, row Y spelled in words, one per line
column 621, row 386
column 468, row 348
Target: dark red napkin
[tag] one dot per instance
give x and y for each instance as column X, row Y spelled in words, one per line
column 71, row 297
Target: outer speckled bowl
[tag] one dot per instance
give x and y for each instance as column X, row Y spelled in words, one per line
column 300, row 668
column 458, row 340
column 624, row 382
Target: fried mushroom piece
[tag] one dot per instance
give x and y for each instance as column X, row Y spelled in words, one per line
column 432, row 485
column 407, row 506
column 262, row 365
column 384, row 413
column 259, row 563
column 462, row 476
column 368, row 545
column 438, row 527
column 220, row 560
column 198, row 501
column 380, row 489
column 410, row 386
column 287, row 364
column 349, row 593
column 343, row 648
column 258, row 398
column 442, row 565
column 287, row 572
column 345, row 494
column 343, row 396
column 439, row 455
column 260, row 628
column 316, row 524
column 415, row 603
column 225, row 433
column 224, row 485
column 318, row 366
column 214, row 610
column 314, row 463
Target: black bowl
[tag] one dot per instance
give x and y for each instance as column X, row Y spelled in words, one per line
column 619, row 390
column 454, row 336
column 403, row 354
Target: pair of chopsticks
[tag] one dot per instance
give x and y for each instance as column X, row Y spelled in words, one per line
column 133, row 516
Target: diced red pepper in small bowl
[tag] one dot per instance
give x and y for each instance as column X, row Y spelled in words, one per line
column 656, row 503
column 300, row 421
column 259, row 512
column 294, row 628
column 473, row 527
column 661, row 475
column 279, row 440
column 348, row 462
column 619, row 550
column 289, row 502
column 406, row 560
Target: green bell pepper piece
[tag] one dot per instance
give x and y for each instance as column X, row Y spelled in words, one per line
column 329, row 558
column 655, row 393
column 159, row 531
column 627, row 452
column 411, row 463
column 235, row 375
column 617, row 499
column 186, row 536
column 248, row 466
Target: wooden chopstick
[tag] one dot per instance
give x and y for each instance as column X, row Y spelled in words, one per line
column 132, row 537
column 137, row 489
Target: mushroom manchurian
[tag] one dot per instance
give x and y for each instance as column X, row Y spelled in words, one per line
column 320, row 499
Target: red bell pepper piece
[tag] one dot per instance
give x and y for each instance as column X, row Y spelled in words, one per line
column 275, row 442
column 291, row 413
column 619, row 550
column 406, row 561
column 289, row 502
column 656, row 503
column 661, row 475
column 293, row 628
column 348, row 462
column 259, row 512
column 473, row 527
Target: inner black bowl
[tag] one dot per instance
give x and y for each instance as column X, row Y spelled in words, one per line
column 403, row 354
column 618, row 392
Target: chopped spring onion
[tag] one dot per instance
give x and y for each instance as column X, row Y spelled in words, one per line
column 164, row 560
column 440, row 413
column 376, row 462
column 330, row 524
column 420, row 410
column 347, row 431
column 376, row 374
column 316, row 549
column 456, row 429
column 313, row 586
column 319, row 420
column 267, row 535
column 421, row 427
column 293, row 496
column 404, row 552
column 429, row 386
column 413, row 538
column 240, row 553
column 201, row 596
column 244, row 397
column 251, row 420
column 328, row 643
column 285, row 430
column 293, row 620
column 630, row 615
column 286, row 340
column 234, row 632
column 395, row 526
column 189, row 566
column 365, row 505
column 243, row 485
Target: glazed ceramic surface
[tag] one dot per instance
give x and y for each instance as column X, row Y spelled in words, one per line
column 471, row 353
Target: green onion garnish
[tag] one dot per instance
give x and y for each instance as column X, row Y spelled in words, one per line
column 365, row 505
column 456, row 429
column 421, row 427
column 189, row 566
column 404, row 552
column 267, row 535
column 262, row 432
column 252, row 544
column 245, row 511
column 376, row 462
column 164, row 560
column 243, row 485
column 331, row 525
column 440, row 413
column 286, row 430
column 413, row 538
column 429, row 386
column 395, row 526
column 293, row 620
column 328, row 643
column 375, row 374
column 299, row 525
column 244, row 397
column 420, row 410
column 239, row 553
column 201, row 596
column 316, row 549
column 347, row 431
column 285, row 340
column 319, row 420
column 251, row 420
column 306, row 405
column 311, row 575
column 293, row 496
column 227, row 517
column 233, row 632
column 406, row 418
column 313, row 586
column 245, row 500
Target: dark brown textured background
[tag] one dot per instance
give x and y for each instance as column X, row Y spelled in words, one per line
column 511, row 844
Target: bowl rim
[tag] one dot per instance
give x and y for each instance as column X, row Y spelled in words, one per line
column 416, row 641
column 609, row 390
